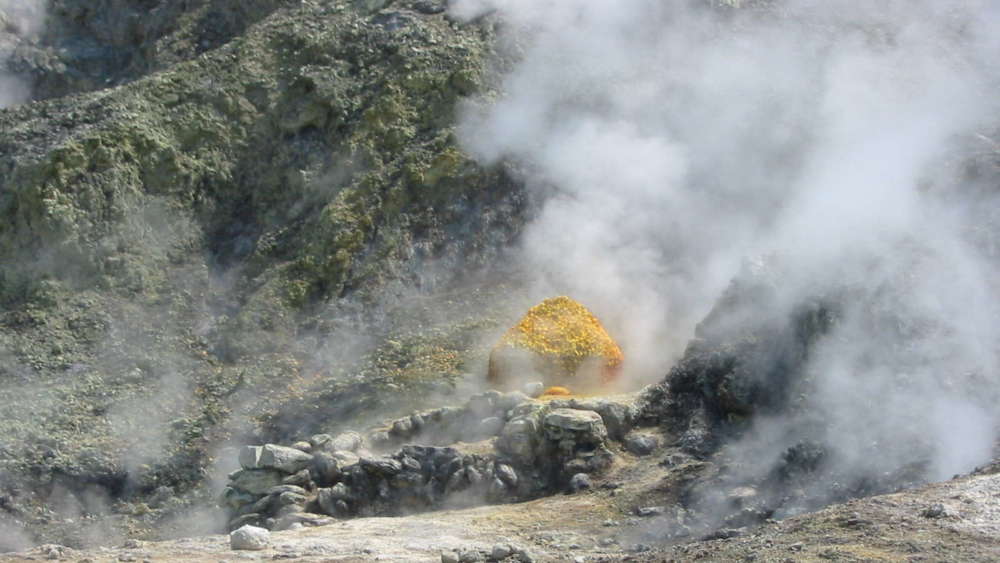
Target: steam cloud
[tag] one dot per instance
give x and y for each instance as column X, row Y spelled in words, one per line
column 19, row 20
column 674, row 142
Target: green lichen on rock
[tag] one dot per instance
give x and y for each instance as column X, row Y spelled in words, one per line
column 177, row 249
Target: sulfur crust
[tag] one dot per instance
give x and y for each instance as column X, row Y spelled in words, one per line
column 564, row 330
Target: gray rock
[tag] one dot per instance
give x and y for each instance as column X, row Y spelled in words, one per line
column 340, row 491
column 647, row 511
column 599, row 460
column 291, row 498
column 346, row 458
column 402, row 428
column 410, row 464
column 250, row 457
column 301, row 479
column 320, row 442
column 417, row 421
column 640, row 444
column 534, row 389
column 572, row 428
column 430, row 7
column 262, row 506
column 580, row 482
column 245, row 520
column 506, row 474
column 281, row 489
column 381, row 466
column 449, row 557
column 303, row 446
column 617, row 417
column 306, row 519
column 408, row 479
column 233, row 498
column 501, row 551
column 936, row 510
column 473, row 475
column 519, row 439
column 256, row 481
column 470, row 556
column 326, row 502
column 249, row 538
column 326, row 468
column 289, row 509
column 490, row 426
column 497, row 489
column 347, row 441
column 286, row 460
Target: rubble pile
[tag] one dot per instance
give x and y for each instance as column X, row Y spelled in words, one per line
column 498, row 447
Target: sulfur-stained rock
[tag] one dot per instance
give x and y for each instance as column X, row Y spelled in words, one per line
column 559, row 340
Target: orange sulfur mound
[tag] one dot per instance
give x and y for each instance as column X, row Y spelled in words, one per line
column 563, row 341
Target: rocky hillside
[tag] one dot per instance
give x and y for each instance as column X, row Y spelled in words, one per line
column 254, row 256
column 216, row 209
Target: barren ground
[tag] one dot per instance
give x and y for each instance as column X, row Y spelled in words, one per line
column 958, row 520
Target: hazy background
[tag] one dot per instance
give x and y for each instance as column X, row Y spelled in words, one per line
column 673, row 142
column 19, row 20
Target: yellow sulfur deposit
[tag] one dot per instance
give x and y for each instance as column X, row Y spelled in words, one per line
column 562, row 336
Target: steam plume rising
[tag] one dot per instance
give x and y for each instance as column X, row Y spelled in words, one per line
column 19, row 20
column 675, row 141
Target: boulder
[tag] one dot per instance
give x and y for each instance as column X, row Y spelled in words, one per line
column 381, row 466
column 578, row 423
column 281, row 458
column 234, row 498
column 326, row 468
column 580, row 482
column 250, row 538
column 306, row 519
column 617, row 417
column 250, row 457
column 519, row 439
column 506, row 474
column 640, row 444
column 255, row 481
column 302, row 478
column 490, row 426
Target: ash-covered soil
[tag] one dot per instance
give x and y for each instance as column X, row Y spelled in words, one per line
column 952, row 521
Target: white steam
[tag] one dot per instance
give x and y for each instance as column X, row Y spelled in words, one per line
column 20, row 20
column 674, row 140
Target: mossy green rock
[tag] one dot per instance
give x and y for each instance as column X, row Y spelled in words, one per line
column 187, row 251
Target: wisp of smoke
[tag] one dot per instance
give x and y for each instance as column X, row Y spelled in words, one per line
column 673, row 140
column 19, row 20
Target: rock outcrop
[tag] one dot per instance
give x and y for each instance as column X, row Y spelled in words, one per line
column 498, row 447
column 560, row 342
